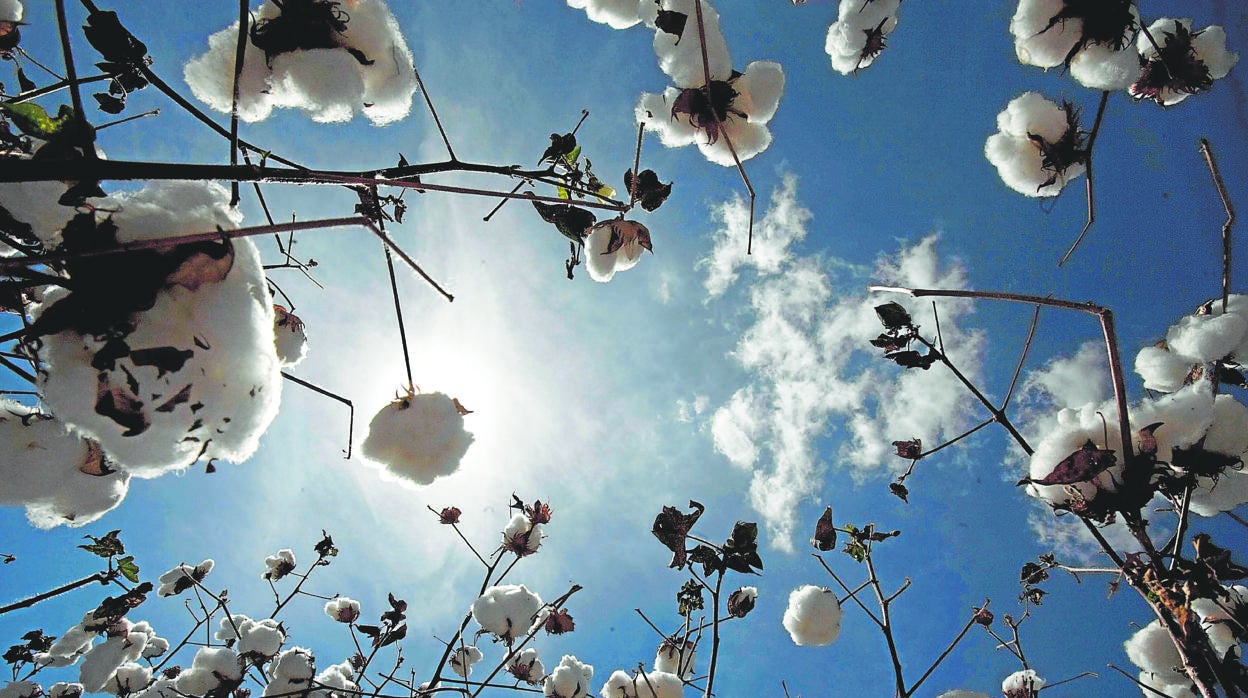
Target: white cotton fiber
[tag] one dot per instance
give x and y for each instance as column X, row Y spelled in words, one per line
column 617, row 14
column 1018, row 158
column 61, row 478
column 813, row 617
column 506, row 610
column 417, row 438
column 569, row 679
column 216, row 386
column 330, row 84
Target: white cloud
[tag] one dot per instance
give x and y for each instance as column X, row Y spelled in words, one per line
column 1070, row 381
column 810, row 362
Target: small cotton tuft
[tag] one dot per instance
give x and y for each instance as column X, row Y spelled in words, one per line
column 417, row 438
column 813, row 617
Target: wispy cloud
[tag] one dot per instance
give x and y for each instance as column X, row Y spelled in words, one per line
column 810, row 365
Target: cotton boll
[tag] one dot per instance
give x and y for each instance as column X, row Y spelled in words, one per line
column 259, row 640
column 21, row 689
column 506, row 610
column 289, row 337
column 10, row 11
column 417, row 438
column 655, row 111
column 330, row 84
column 674, row 658
column 631, row 240
column 279, row 565
column 748, row 139
column 62, row 689
column 681, row 57
column 1100, row 67
column 463, row 658
column 1162, row 369
column 199, row 375
column 229, row 627
column 162, row 687
column 130, row 678
column 1193, row 60
column 1020, row 160
column 35, row 204
column 343, row 609
column 527, row 667
column 1022, row 684
column 857, row 37
column 813, row 617
column 338, row 677
column 183, row 577
column 655, row 684
column 521, row 536
column 1210, row 46
column 1036, row 45
column 61, row 478
column 1228, row 435
column 101, row 662
column 291, row 672
column 1207, row 337
column 617, row 14
column 212, row 669
column 758, row 91
column 569, row 679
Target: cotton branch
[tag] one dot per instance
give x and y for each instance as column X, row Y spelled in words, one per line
column 1207, row 151
column 1096, row 127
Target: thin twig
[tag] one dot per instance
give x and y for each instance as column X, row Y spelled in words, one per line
column 438, row 122
column 240, row 53
column 101, row 577
column 83, row 135
column 1139, row 683
column 335, row 396
column 1096, row 127
column 849, row 594
column 1022, row 358
column 127, row 119
column 965, row 629
column 1230, row 219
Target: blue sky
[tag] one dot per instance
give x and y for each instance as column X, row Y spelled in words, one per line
column 586, row 395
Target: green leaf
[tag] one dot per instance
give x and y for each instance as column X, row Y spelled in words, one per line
column 571, row 157
column 108, row 546
column 32, row 120
column 128, row 569
column 563, row 193
column 605, row 192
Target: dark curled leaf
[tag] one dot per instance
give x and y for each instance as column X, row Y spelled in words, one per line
column 449, row 515
column 391, row 637
column 1230, row 376
column 112, row 609
column 1217, row 559
column 672, row 23
column 894, row 316
column 671, row 527
column 689, row 598
column 108, row 546
column 110, row 104
column 706, row 556
column 24, row 83
column 1033, row 596
column 114, row 42
column 559, row 622
column 560, row 147
column 372, row 631
column 647, row 189
column 572, row 222
column 891, row 342
column 825, row 533
column 741, row 548
column 325, row 548
column 1080, row 466
column 302, row 25
column 1032, row 574
column 869, row 533
column 899, row 490
column 397, row 612
column 913, row 359
column 1198, row 461
column 17, row 654
column 106, row 358
column 909, row 449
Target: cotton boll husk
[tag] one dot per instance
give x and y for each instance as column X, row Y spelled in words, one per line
column 506, row 610
column 617, row 14
column 655, row 111
column 41, row 466
column 682, row 61
column 813, row 617
column 569, row 679
column 1033, row 44
column 1212, row 47
column 11, row 10
column 527, row 666
column 1100, row 67
column 235, row 382
column 420, row 442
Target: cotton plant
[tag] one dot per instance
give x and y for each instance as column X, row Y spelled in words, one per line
column 1022, row 684
column 614, row 246
column 1038, row 147
column 676, row 657
column 1188, row 61
column 183, row 577
column 418, row 437
column 327, row 58
column 279, row 565
column 527, row 666
column 1152, row 650
column 1211, row 335
column 860, row 32
column 1095, row 41
column 463, row 659
column 179, row 362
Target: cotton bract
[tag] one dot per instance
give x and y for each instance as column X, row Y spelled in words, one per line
column 813, row 617
column 506, row 610
column 569, row 679
column 1035, row 149
column 368, row 70
column 417, row 438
